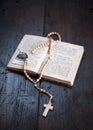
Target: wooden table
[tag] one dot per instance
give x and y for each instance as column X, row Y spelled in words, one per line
column 21, row 106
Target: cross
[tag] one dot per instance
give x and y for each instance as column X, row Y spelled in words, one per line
column 47, row 108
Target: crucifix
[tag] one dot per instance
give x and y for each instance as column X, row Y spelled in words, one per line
column 47, row 108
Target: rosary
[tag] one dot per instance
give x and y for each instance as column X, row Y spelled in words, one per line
column 35, row 82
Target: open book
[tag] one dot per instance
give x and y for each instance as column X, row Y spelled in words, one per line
column 64, row 61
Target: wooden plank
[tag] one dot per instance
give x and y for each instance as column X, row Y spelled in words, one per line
column 72, row 107
column 18, row 98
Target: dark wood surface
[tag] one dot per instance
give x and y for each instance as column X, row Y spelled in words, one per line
column 21, row 106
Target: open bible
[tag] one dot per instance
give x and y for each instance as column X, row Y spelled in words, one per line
column 64, row 61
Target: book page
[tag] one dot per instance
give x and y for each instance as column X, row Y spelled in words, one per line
column 28, row 43
column 64, row 59
column 64, row 62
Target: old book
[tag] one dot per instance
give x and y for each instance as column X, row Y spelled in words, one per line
column 63, row 65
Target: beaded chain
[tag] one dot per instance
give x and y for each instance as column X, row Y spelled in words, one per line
column 48, row 44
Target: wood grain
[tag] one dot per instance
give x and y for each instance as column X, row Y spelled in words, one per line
column 21, row 106
column 18, row 98
column 73, row 20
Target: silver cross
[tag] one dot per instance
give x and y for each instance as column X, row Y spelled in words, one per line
column 47, row 108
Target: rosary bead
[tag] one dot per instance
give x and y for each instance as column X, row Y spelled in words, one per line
column 44, row 66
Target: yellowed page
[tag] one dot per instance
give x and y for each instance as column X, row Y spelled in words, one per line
column 64, row 62
column 28, row 43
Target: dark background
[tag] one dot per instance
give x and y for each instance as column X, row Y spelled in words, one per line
column 21, row 106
